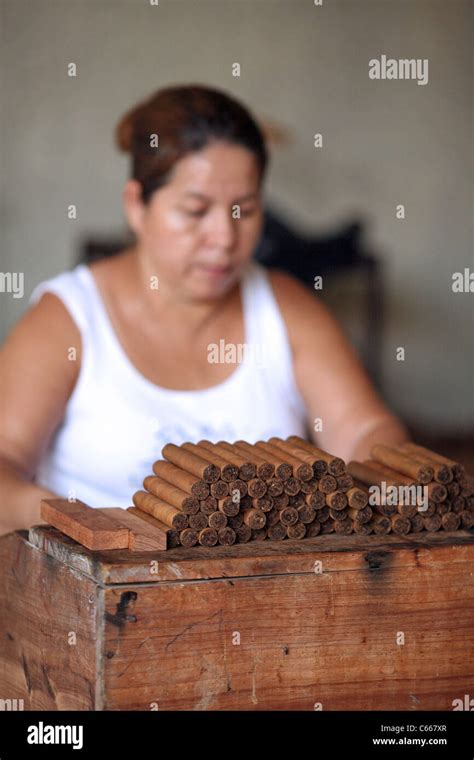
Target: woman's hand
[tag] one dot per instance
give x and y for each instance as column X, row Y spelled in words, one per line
column 331, row 378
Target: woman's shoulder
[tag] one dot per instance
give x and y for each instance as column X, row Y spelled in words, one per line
column 302, row 309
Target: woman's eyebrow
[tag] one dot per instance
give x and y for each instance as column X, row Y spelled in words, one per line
column 203, row 197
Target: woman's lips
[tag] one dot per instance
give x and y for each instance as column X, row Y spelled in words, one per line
column 214, row 271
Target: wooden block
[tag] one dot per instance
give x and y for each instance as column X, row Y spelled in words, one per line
column 172, row 535
column 86, row 525
column 142, row 535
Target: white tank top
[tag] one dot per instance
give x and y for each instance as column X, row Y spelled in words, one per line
column 116, row 422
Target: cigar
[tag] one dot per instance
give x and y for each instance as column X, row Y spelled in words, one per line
column 344, row 482
column 336, row 500
column 296, row 531
column 198, row 522
column 255, row 518
column 400, row 525
column 363, row 515
column 467, row 519
column 338, row 514
column 288, row 516
column 208, row 505
column 316, row 500
column 403, row 463
column 391, row 477
column 230, row 470
column 417, row 524
column 276, row 532
column 181, row 457
column 291, row 486
column 327, row 484
column 181, row 479
column 364, row 473
column 306, row 514
column 247, row 470
column 343, row 527
column 453, row 489
column 172, row 536
column 281, row 501
column 273, row 517
column 309, row 486
column 433, row 458
column 450, row 521
column 265, row 503
column 327, row 526
column 188, row 537
column 302, row 469
column 274, row 487
column 458, row 504
column 208, row 537
column 265, row 469
column 240, row 486
column 227, row 470
column 226, row 536
column 363, row 529
column 323, row 514
column 432, row 523
column 243, row 534
column 440, row 509
column 219, row 489
column 259, row 534
column 172, row 495
column 228, row 506
column 357, row 498
column 297, row 500
column 235, row 521
column 217, row 520
column 256, row 487
column 158, row 508
column 313, row 529
column 283, row 469
column 336, row 466
column 381, row 525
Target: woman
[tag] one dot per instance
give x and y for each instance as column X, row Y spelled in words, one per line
column 115, row 359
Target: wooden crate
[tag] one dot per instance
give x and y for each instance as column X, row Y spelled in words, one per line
column 293, row 625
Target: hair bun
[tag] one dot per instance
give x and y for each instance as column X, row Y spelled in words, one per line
column 124, row 132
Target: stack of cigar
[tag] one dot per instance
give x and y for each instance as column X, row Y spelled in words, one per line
column 450, row 492
column 222, row 493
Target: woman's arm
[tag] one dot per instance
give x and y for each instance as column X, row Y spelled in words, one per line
column 36, row 380
column 332, row 381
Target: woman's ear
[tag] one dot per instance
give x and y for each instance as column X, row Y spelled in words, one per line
column 133, row 205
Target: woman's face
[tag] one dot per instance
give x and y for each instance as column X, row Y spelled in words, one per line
column 199, row 230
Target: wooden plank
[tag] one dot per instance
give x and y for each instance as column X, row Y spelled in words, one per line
column 49, row 630
column 89, row 527
column 256, row 558
column 142, row 535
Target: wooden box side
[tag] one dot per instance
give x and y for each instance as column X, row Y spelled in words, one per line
column 48, row 630
column 392, row 633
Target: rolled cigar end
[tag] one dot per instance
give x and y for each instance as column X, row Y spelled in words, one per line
column 228, row 506
column 317, row 500
column 208, row 505
column 243, row 534
column 357, row 498
column 381, row 525
column 417, row 523
column 450, row 521
column 363, row 529
column 327, row 484
column 255, row 518
column 274, row 487
column 343, row 527
column 217, row 520
column 198, row 522
column 277, row 532
column 188, row 537
column 313, row 529
column 288, row 516
column 208, row 537
column 256, row 487
column 400, row 525
column 433, row 523
column 226, row 536
column 296, row 531
column 306, row 514
column 336, row 500
column 219, row 489
column 291, row 486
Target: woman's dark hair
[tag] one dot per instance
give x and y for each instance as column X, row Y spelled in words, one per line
column 185, row 119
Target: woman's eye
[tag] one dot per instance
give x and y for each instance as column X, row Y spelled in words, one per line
column 247, row 211
column 199, row 212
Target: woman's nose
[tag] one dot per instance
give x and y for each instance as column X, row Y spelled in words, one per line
column 223, row 229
